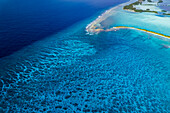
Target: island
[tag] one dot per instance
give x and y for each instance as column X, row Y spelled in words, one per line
column 146, row 6
column 126, row 16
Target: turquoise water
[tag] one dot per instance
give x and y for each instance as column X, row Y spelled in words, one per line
column 148, row 21
column 122, row 71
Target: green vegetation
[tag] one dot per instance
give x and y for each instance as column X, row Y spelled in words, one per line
column 160, row 1
column 130, row 7
column 166, row 13
column 149, row 1
column 140, row 11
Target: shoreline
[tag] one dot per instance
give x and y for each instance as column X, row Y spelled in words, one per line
column 103, row 16
column 91, row 28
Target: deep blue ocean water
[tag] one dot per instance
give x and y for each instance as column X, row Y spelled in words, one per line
column 23, row 22
column 70, row 71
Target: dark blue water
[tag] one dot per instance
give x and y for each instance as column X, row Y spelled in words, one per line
column 23, row 22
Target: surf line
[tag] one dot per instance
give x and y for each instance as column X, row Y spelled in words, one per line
column 144, row 30
column 124, row 27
